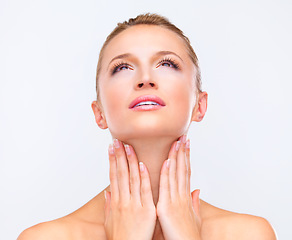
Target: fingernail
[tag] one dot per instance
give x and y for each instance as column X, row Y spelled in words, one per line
column 141, row 166
column 188, row 143
column 168, row 163
column 199, row 194
column 177, row 145
column 183, row 139
column 105, row 194
column 128, row 151
column 116, row 143
column 111, row 149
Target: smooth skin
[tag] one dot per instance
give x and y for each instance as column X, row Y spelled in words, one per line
column 151, row 199
column 103, row 218
column 178, row 208
column 130, row 204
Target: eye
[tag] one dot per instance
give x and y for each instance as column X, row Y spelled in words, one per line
column 168, row 62
column 120, row 67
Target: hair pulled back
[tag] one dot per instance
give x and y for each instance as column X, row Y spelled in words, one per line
column 156, row 20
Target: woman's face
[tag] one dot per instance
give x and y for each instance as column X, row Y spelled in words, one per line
column 146, row 60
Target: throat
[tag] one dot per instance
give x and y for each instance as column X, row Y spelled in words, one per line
column 158, row 234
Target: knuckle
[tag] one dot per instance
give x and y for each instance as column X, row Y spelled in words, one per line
column 131, row 160
column 189, row 171
column 134, row 178
column 164, row 188
column 114, row 202
column 112, row 177
column 122, row 207
column 118, row 153
column 144, row 176
column 146, row 189
column 122, row 173
column 185, row 170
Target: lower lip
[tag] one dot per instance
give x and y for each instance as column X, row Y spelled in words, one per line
column 147, row 107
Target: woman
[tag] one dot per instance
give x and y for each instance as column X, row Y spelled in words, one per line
column 148, row 93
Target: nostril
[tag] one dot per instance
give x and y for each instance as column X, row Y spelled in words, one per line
column 141, row 85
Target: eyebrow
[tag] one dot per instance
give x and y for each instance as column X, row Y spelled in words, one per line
column 160, row 53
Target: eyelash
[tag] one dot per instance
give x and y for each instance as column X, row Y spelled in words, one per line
column 171, row 61
column 118, row 65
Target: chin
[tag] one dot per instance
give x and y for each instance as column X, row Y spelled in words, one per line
column 148, row 130
column 147, row 126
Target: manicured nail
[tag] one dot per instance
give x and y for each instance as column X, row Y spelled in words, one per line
column 128, row 151
column 177, row 145
column 141, row 166
column 199, row 191
column 116, row 143
column 183, row 139
column 168, row 163
column 111, row 149
column 188, row 143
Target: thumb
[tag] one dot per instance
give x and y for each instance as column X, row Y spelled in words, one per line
column 196, row 203
column 107, row 203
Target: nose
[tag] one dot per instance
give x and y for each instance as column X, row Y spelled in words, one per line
column 145, row 81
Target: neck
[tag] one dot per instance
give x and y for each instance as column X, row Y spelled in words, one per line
column 153, row 152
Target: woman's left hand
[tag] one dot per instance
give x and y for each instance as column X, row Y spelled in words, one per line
column 178, row 208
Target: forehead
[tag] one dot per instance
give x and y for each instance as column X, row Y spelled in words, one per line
column 145, row 40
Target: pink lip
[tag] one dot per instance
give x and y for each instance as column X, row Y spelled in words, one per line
column 144, row 98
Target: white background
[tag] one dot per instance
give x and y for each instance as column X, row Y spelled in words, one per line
column 54, row 156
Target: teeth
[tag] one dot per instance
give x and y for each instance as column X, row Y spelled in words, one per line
column 146, row 103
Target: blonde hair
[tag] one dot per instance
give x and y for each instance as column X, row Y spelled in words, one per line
column 156, row 20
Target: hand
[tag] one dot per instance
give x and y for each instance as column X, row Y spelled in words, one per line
column 129, row 209
column 177, row 208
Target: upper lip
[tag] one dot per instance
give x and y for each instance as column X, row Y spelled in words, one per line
column 144, row 98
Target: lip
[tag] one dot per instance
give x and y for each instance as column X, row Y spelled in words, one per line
column 144, row 98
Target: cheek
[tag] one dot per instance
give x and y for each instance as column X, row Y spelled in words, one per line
column 183, row 104
column 114, row 102
column 182, row 101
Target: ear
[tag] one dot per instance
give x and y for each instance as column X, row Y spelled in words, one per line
column 99, row 115
column 200, row 107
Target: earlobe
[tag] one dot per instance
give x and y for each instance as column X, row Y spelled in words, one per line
column 99, row 115
column 200, row 107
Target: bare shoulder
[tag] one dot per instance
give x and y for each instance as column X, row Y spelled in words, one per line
column 68, row 227
column 230, row 225
column 56, row 229
column 85, row 223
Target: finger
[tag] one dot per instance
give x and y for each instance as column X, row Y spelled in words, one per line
column 122, row 171
column 146, row 192
column 189, row 171
column 164, row 191
column 107, row 203
column 173, row 185
column 196, row 203
column 172, row 152
column 113, row 173
column 182, row 167
column 134, row 173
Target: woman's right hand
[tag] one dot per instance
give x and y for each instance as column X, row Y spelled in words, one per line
column 130, row 212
